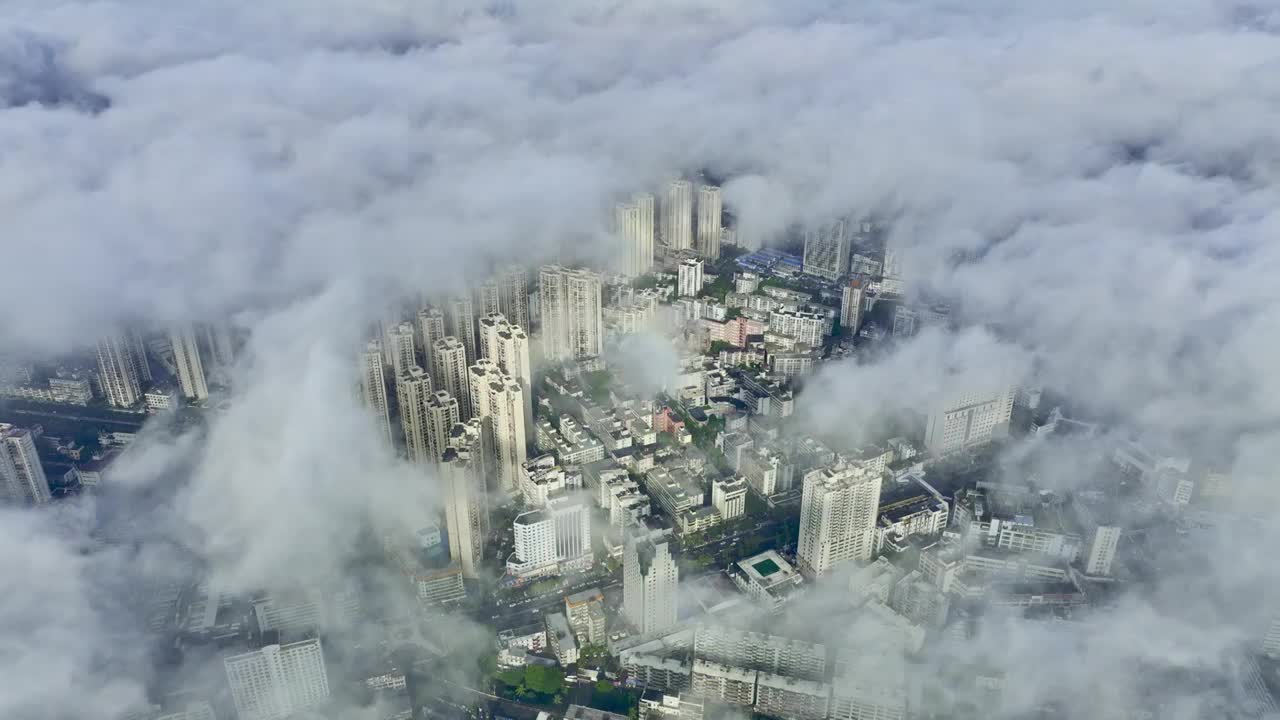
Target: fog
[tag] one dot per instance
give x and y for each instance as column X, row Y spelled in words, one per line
column 1093, row 186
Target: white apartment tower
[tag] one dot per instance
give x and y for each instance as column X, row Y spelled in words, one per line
column 1271, row 641
column 966, row 418
column 217, row 338
column 22, row 477
column 278, row 680
column 513, row 296
column 118, row 371
column 461, row 317
column 449, row 371
column 708, row 240
column 489, row 296
column 837, row 517
column 508, row 346
column 635, row 235
column 572, row 319
column 677, row 215
column 442, row 415
column 826, row 250
column 373, row 387
column 186, row 356
column 430, row 329
column 689, row 277
column 403, row 353
column 498, row 400
column 851, row 306
column 1102, row 551
column 462, row 471
column 413, row 389
column 649, row 583
column 140, row 362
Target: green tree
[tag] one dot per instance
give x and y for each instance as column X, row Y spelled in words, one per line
column 719, row 346
column 544, row 680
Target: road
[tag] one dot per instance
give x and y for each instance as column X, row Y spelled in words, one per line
column 54, row 415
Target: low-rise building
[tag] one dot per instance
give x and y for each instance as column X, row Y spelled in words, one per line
column 767, row 578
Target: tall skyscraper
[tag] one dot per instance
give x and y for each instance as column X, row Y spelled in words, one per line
column 649, row 584
column 689, row 276
column 708, row 245
column 450, row 373
column 968, row 417
column 508, row 346
column 186, row 355
column 677, row 215
column 826, row 250
column 140, row 361
column 851, row 306
column 118, row 371
column 278, row 680
column 217, row 340
column 430, row 329
column 837, row 517
column 498, row 400
column 442, row 415
column 1271, row 640
column 413, row 389
column 460, row 312
column 1102, row 550
column 22, row 477
column 403, row 354
column 373, row 387
column 490, row 296
column 513, row 296
column 463, row 471
column 572, row 319
column 633, row 226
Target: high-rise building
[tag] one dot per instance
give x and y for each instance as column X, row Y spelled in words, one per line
column 965, row 418
column 649, row 584
column 490, row 297
column 449, row 373
column 413, row 389
column 186, row 356
column 1102, row 551
column 837, row 517
column 851, row 306
column 729, row 497
column 498, row 400
column 118, row 371
column 22, row 477
column 278, row 680
column 403, row 354
column 466, row 506
column 508, row 346
column 552, row 539
column 139, row 350
column 689, row 277
column 633, row 225
column 460, row 313
column 708, row 241
column 1271, row 641
column 373, row 387
column 217, row 340
column 442, row 415
column 430, row 329
column 826, row 250
column 513, row 296
column 572, row 319
column 677, row 215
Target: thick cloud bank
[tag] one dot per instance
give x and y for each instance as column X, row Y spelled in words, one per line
column 1097, row 182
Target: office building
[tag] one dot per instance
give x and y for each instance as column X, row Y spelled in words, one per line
column 508, row 346
column 677, row 215
column 449, row 373
column 963, row 418
column 463, row 471
column 413, row 389
column 572, row 319
column 729, row 497
column 708, row 239
column 118, row 371
column 373, row 388
column 826, row 250
column 633, row 227
column 689, row 277
column 403, row 353
column 22, row 478
column 278, row 680
column 837, row 517
column 460, row 316
column 1102, row 551
column 649, row 584
column 430, row 329
column 186, row 356
column 851, row 306
column 553, row 539
column 498, row 400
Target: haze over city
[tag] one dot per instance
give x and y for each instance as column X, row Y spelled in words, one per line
column 607, row 358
